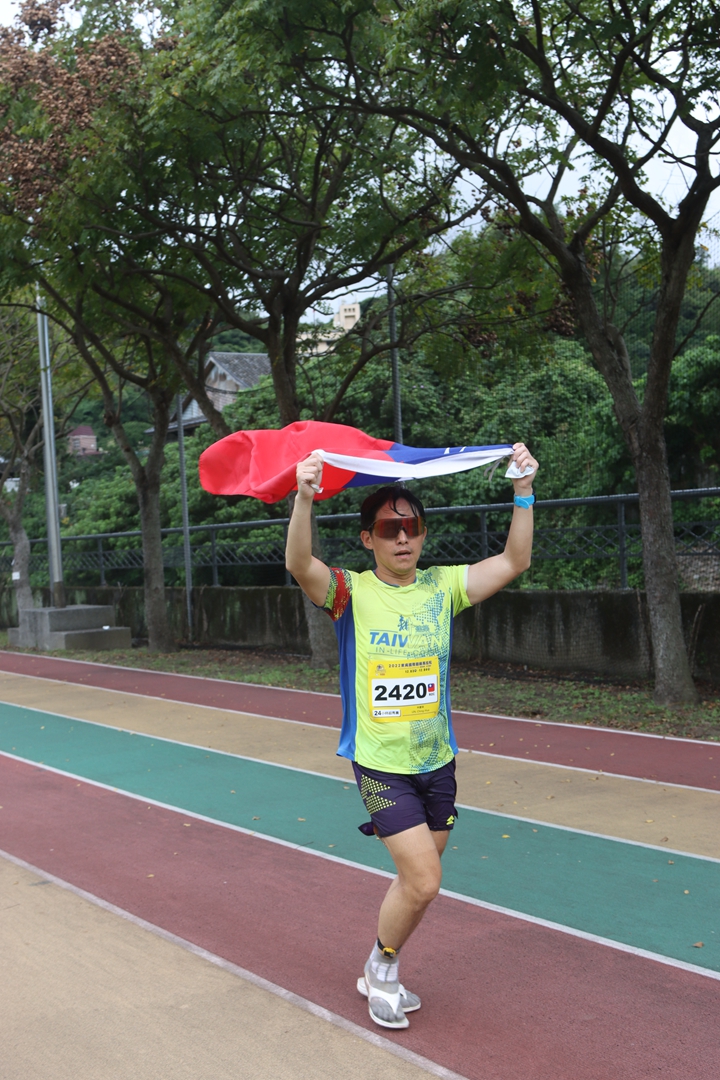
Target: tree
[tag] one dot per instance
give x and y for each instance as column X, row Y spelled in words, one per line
column 128, row 333
column 522, row 95
column 263, row 204
column 21, row 423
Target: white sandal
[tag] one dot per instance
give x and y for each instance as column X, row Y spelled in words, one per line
column 409, row 1002
column 393, row 1000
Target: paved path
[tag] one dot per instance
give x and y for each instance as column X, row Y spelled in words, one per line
column 566, row 945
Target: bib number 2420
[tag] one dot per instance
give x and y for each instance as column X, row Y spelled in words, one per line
column 404, row 690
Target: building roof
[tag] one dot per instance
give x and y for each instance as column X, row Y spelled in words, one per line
column 246, row 369
column 82, row 430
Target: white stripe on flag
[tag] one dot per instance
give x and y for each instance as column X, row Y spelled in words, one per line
column 419, row 470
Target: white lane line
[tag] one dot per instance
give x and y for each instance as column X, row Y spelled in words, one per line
column 570, row 930
column 593, row 772
column 509, row 818
column 257, row 980
column 323, row 693
column 618, row 945
column 170, row 701
column 339, row 779
column 152, row 671
column 175, row 742
column 325, row 727
column 587, row 728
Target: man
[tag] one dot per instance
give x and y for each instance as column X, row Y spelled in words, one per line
column 394, row 628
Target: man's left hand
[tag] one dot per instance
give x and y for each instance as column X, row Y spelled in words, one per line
column 522, row 458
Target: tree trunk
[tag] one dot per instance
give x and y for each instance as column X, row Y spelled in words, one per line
column 21, row 562
column 323, row 643
column 12, row 512
column 160, row 638
column 673, row 677
column 146, row 477
column 642, row 428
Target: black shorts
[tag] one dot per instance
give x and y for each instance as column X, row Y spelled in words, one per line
column 399, row 801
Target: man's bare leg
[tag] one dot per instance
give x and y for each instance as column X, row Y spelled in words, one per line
column 416, row 853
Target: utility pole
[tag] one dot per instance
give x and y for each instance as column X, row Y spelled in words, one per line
column 394, row 358
column 57, row 585
column 185, row 516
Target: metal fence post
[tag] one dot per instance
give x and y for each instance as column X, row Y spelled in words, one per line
column 483, row 534
column 213, row 556
column 622, row 545
column 101, row 561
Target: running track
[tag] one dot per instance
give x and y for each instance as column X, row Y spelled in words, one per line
column 668, row 760
column 504, row 998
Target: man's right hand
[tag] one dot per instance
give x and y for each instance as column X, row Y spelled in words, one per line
column 309, row 476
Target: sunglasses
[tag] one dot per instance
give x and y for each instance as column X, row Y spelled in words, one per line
column 389, row 528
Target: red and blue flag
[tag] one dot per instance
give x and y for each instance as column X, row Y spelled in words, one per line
column 262, row 463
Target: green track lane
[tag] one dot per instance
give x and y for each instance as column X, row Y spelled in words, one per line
column 609, row 888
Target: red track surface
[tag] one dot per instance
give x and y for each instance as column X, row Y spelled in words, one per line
column 502, row 999
column 675, row 761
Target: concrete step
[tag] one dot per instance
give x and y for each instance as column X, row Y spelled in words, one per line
column 76, row 617
column 80, row 626
column 116, row 637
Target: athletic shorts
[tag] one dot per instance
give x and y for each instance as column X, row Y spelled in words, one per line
column 399, row 801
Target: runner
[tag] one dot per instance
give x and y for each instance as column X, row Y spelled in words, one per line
column 394, row 629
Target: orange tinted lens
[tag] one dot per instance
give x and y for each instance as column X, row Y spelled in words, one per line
column 388, row 528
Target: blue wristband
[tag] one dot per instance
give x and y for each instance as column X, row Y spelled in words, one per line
column 525, row 501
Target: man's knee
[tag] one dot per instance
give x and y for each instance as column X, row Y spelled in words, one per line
column 424, row 887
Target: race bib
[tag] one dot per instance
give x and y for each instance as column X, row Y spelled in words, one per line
column 403, row 689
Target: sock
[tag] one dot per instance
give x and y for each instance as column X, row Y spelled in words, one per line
column 383, row 971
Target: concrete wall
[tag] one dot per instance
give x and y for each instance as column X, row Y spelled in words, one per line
column 253, row 616
column 601, row 632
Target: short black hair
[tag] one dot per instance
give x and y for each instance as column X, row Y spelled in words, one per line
column 390, row 495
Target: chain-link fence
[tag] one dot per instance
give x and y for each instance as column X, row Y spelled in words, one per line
column 579, row 543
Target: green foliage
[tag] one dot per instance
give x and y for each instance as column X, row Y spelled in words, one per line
column 692, row 428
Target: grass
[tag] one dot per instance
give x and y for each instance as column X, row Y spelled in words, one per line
column 493, row 688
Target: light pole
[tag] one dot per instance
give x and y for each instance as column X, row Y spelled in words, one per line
column 57, row 585
column 394, row 358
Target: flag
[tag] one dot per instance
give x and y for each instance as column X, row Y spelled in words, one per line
column 262, row 463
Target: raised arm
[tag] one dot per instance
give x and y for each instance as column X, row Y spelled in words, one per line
column 312, row 575
column 490, row 575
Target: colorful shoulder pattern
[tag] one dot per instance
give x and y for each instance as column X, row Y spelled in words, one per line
column 339, row 593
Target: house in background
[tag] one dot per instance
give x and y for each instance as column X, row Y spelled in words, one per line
column 82, row 441
column 226, row 376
